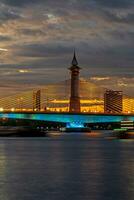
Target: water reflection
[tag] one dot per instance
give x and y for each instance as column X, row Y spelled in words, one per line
column 3, row 173
column 66, row 167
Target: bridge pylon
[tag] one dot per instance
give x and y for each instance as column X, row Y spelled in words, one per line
column 74, row 105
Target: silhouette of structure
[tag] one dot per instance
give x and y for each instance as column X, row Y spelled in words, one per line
column 113, row 101
column 74, row 104
column 37, row 100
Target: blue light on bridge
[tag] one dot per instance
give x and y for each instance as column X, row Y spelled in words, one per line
column 75, row 125
column 72, row 120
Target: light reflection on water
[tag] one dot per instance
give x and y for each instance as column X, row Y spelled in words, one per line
column 66, row 167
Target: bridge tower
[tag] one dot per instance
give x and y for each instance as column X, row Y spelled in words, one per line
column 37, row 100
column 74, row 105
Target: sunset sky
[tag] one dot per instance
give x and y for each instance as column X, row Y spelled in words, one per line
column 37, row 39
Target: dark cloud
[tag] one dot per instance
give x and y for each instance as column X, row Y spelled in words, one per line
column 4, row 38
column 117, row 17
column 31, row 32
column 20, row 2
column 41, row 34
column 42, row 50
column 107, row 3
column 6, row 15
column 115, row 3
column 123, row 35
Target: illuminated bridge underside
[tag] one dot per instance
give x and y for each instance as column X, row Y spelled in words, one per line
column 69, row 118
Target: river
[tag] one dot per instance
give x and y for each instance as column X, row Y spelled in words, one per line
column 68, row 167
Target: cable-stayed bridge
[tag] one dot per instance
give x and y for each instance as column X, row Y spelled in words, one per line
column 53, row 105
column 55, row 98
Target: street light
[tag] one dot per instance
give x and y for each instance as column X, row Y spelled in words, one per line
column 12, row 109
column 1, row 109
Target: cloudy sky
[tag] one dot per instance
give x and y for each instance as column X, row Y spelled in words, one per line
column 37, row 39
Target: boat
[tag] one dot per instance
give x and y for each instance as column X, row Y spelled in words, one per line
column 120, row 133
column 7, row 130
column 123, row 133
column 21, row 131
column 75, row 129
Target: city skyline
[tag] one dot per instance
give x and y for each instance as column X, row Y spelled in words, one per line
column 37, row 39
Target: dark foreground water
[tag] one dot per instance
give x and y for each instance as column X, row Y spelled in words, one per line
column 71, row 167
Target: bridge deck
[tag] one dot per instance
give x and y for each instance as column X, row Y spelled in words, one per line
column 68, row 117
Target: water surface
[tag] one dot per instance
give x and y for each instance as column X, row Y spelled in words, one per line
column 73, row 167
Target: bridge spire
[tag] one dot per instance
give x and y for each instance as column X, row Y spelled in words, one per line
column 74, row 61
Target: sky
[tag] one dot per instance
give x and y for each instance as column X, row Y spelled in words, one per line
column 38, row 37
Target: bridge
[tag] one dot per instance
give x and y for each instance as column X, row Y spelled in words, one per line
column 55, row 98
column 75, row 102
column 52, row 105
column 71, row 119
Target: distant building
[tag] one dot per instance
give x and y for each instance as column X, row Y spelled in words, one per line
column 37, row 100
column 113, row 101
